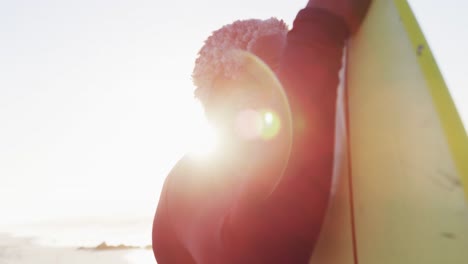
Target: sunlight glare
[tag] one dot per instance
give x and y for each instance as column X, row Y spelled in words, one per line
column 203, row 136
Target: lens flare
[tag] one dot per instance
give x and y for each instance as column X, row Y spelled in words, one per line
column 271, row 125
column 248, row 124
column 257, row 124
column 268, row 118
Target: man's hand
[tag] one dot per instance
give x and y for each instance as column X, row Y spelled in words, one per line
column 352, row 11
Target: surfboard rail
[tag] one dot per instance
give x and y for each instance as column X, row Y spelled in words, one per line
column 401, row 155
column 452, row 124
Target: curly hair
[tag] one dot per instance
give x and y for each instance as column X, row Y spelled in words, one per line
column 217, row 56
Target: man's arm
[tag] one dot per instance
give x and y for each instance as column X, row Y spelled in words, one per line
column 285, row 227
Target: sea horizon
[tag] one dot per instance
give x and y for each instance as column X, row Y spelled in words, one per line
column 126, row 242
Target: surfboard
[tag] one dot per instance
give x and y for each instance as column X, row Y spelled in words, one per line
column 401, row 160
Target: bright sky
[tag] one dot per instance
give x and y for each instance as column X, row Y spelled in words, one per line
column 96, row 98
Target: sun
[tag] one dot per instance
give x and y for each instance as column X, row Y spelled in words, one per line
column 203, row 137
column 205, row 141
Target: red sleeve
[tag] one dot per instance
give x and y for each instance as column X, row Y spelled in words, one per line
column 285, row 227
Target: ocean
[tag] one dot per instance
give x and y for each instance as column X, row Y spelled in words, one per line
column 75, row 241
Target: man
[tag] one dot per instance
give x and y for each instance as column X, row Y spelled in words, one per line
column 260, row 200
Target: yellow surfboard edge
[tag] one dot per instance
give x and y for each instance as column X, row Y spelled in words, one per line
column 397, row 193
column 455, row 133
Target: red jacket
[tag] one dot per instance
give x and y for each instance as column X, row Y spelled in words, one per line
column 202, row 219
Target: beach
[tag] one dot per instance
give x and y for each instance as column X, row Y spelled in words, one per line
column 100, row 241
column 18, row 250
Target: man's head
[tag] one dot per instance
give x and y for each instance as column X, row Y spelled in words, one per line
column 227, row 76
column 236, row 82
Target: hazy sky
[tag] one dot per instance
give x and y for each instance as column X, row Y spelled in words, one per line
column 96, row 98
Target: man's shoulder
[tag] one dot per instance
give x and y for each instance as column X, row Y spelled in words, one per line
column 192, row 176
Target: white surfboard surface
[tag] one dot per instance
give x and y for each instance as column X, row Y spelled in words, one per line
column 401, row 169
